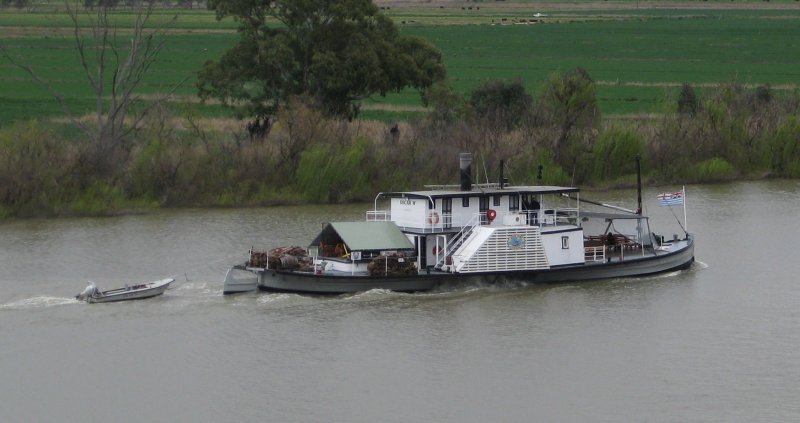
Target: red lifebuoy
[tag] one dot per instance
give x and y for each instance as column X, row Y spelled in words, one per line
column 491, row 214
column 436, row 250
column 433, row 218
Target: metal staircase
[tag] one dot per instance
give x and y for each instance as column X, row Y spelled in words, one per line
column 459, row 239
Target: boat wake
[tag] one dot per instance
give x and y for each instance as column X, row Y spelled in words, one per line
column 202, row 289
column 372, row 293
column 501, row 284
column 275, row 298
column 38, row 302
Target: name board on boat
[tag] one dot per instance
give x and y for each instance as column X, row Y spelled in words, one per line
column 409, row 211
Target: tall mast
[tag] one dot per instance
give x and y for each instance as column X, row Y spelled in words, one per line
column 638, row 185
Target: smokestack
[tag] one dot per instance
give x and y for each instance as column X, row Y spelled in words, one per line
column 503, row 179
column 465, row 164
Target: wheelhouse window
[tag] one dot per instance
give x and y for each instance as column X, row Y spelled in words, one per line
column 513, row 202
column 496, row 200
column 465, row 202
column 565, row 243
column 483, row 208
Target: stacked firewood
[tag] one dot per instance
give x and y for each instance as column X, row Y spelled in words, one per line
column 282, row 258
column 395, row 264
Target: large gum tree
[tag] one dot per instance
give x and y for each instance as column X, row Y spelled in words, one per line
column 332, row 52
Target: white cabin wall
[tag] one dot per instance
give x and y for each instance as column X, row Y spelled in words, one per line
column 461, row 214
column 556, row 255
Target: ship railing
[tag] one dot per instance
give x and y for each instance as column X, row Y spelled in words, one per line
column 436, row 223
column 540, row 217
column 379, row 215
column 596, row 254
column 457, row 187
column 557, row 216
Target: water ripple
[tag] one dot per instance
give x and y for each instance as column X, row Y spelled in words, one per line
column 38, row 302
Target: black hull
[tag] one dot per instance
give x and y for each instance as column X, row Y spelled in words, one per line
column 302, row 282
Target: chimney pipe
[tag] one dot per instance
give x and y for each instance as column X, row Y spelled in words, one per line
column 502, row 176
column 465, row 164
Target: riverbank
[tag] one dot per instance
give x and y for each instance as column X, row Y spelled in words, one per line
column 184, row 161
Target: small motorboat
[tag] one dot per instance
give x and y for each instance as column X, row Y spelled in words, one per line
column 133, row 292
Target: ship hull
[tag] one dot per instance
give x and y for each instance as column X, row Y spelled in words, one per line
column 632, row 266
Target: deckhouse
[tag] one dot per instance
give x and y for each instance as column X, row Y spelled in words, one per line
column 487, row 227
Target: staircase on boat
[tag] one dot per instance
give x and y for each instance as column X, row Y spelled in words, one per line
column 480, row 248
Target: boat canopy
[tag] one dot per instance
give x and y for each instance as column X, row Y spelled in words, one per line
column 364, row 236
column 612, row 216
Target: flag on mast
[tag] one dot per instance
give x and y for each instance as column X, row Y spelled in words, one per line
column 670, row 198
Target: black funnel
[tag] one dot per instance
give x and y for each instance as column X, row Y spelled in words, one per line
column 465, row 164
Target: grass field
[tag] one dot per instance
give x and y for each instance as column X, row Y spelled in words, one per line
column 639, row 57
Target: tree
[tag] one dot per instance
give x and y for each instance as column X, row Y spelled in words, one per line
column 334, row 52
column 688, row 103
column 501, row 104
column 446, row 105
column 569, row 103
column 104, row 55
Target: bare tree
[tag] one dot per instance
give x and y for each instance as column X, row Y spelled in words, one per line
column 113, row 70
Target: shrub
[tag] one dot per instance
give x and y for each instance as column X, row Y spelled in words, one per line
column 615, row 152
column 98, row 199
column 785, row 149
column 714, row 170
column 328, row 175
column 35, row 169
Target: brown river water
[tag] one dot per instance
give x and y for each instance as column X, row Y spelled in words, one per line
column 719, row 342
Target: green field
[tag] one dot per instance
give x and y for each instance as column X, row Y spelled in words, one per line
column 639, row 57
column 636, row 63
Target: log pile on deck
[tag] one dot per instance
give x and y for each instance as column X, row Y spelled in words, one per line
column 288, row 258
column 395, row 264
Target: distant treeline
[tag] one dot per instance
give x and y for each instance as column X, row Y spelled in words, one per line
column 187, row 4
column 176, row 159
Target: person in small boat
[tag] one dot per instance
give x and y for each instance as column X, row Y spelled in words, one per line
column 611, row 242
column 90, row 290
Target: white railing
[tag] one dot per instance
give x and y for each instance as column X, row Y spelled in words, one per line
column 445, row 221
column 595, row 254
column 379, row 215
column 554, row 217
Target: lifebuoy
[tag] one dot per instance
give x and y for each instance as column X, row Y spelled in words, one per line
column 433, row 218
column 436, row 250
column 491, row 214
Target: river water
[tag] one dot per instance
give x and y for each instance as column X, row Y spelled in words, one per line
column 718, row 342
